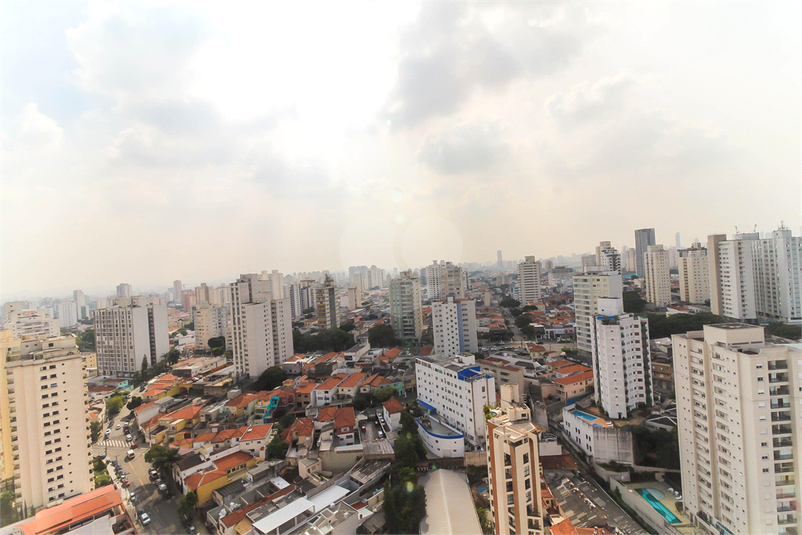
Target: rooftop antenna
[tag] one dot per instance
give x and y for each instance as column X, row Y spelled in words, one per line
column 736, row 229
column 754, row 229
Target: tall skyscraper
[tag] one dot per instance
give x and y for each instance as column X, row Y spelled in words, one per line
column 529, row 272
column 326, row 304
column 658, row 276
column 643, row 239
column 406, row 315
column 80, row 304
column 178, row 290
column 47, row 404
column 738, row 415
column 513, row 467
column 694, row 275
column 621, row 359
column 293, row 292
column 260, row 328
column 124, row 290
column 678, row 242
column 454, row 325
column 588, row 288
column 499, row 261
column 127, row 334
column 756, row 279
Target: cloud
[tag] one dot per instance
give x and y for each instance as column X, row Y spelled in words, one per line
column 36, row 134
column 454, row 49
column 585, row 101
column 463, row 148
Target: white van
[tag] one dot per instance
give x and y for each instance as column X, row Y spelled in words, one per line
column 130, row 455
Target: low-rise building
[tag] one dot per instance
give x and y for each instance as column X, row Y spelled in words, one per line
column 598, row 437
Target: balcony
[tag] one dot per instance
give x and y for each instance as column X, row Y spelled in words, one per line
column 783, row 455
column 778, row 365
column 778, row 377
column 786, row 493
column 784, row 481
column 781, row 429
column 780, row 404
column 781, row 416
column 783, row 442
column 779, row 390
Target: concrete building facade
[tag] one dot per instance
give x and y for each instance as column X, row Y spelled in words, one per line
column 588, row 288
column 406, row 314
column 643, row 239
column 454, row 325
column 127, row 334
column 529, row 272
column 739, row 414
column 694, row 275
column 658, row 276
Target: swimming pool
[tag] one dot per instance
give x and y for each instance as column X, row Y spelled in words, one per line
column 482, row 489
column 670, row 517
column 584, row 416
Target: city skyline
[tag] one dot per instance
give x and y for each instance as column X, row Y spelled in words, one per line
column 330, row 153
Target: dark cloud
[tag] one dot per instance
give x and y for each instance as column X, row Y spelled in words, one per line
column 450, row 51
column 463, row 148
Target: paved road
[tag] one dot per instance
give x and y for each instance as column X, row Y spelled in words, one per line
column 162, row 511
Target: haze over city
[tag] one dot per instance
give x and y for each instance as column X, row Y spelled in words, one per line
column 144, row 142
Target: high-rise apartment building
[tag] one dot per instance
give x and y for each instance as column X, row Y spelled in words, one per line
column 632, row 262
column 13, row 306
column 621, row 359
column 124, row 290
column 326, row 304
column 48, row 427
column 739, row 414
column 457, row 389
column 694, row 275
column 588, row 288
column 210, row 322
column 354, row 297
column 756, row 279
column 658, row 276
column 293, row 293
column 33, row 323
column 608, row 259
column 207, row 294
column 499, row 261
column 406, row 314
column 189, row 300
column 259, row 329
column 129, row 333
column 454, row 325
column 66, row 313
column 375, row 277
column 643, row 239
column 178, row 290
column 445, row 279
column 529, row 272
column 513, row 467
column 80, row 304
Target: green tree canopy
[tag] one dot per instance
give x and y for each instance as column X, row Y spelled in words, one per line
column 188, row 502
column 86, row 341
column 270, row 379
column 113, row 405
column 277, row 448
column 792, row 332
column 328, row 340
column 633, row 302
column 523, row 320
column 162, row 458
column 220, row 341
column 7, row 511
column 348, row 326
column 135, row 402
column 173, row 355
column 509, row 302
column 382, row 336
column 94, row 430
column 661, row 326
column 384, row 393
column 404, row 507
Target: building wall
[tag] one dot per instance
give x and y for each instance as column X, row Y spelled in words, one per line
column 127, row 334
column 588, row 288
column 694, row 276
column 658, row 276
column 406, row 315
column 442, row 445
column 454, row 325
column 529, row 272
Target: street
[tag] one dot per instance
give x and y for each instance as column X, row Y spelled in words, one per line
column 163, row 512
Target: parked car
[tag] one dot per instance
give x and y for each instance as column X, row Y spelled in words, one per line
column 119, row 426
column 163, row 488
column 129, row 438
column 144, row 518
column 125, row 483
column 153, row 474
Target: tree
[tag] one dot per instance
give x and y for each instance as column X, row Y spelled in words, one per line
column 793, row 332
column 404, row 507
column 516, row 312
column 135, row 402
column 86, row 341
column 328, row 340
column 509, row 302
column 523, row 320
column 406, row 450
column 361, row 401
column 384, row 393
column 162, row 459
column 7, row 511
column 270, row 379
column 94, row 430
column 220, row 341
column 633, row 302
column 101, row 480
column 382, row 336
column 113, row 405
column 348, row 326
column 484, row 520
column 173, row 355
column 287, row 420
column 309, row 310
column 188, row 502
column 144, row 365
column 277, row 448
column 661, row 326
column 190, row 326
column 528, row 331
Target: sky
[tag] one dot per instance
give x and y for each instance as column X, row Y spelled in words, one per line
column 145, row 142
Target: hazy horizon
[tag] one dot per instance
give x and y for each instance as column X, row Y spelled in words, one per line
column 155, row 141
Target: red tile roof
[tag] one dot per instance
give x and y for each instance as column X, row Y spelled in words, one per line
column 232, row 461
column 563, row 528
column 329, row 383
column 74, row 510
column 353, row 380
column 187, row 413
column 195, row 481
column 243, row 399
column 392, row 353
column 342, row 417
column 256, row 432
column 576, row 368
column 393, row 406
column 228, row 434
column 574, row 378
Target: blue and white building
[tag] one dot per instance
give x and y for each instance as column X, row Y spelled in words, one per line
column 454, row 325
column 456, row 390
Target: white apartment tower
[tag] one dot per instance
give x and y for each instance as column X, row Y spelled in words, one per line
column 445, row 279
column 354, row 297
column 66, row 313
column 529, row 272
column 128, row 333
column 756, row 279
column 621, row 359
column 454, row 324
column 293, row 292
column 608, row 259
column 31, row 323
column 47, row 400
column 406, row 313
column 178, row 289
column 124, row 290
column 694, row 275
column 80, row 304
column 513, row 467
column 658, row 276
column 739, row 410
column 457, row 390
column 588, row 288
column 260, row 329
